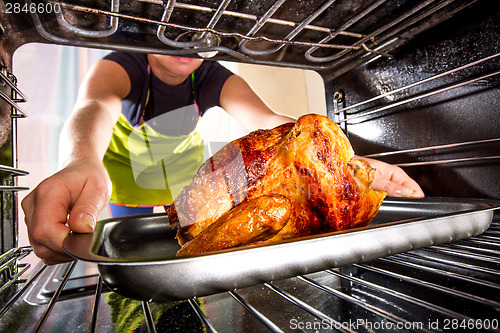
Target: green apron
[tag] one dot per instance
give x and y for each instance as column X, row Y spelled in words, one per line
column 148, row 168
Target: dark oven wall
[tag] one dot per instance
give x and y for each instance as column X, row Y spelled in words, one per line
column 460, row 105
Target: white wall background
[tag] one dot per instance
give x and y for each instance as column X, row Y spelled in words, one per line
column 49, row 76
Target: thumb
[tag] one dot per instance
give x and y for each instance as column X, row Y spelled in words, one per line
column 395, row 189
column 84, row 213
column 82, row 222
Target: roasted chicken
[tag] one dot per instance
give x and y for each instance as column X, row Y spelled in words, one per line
column 295, row 180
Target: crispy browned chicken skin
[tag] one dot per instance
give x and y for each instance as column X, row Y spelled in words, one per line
column 304, row 169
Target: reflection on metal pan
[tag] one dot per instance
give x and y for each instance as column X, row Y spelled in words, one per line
column 136, row 254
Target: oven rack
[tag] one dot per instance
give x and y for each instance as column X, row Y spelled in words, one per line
column 353, row 114
column 16, row 95
column 413, row 85
column 380, row 106
column 451, row 285
column 252, row 34
column 10, row 267
column 440, row 147
column 11, row 96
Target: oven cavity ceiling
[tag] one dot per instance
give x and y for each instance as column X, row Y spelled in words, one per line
column 332, row 36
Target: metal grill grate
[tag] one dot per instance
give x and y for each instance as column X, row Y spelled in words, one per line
column 419, row 92
column 10, row 111
column 315, row 34
column 10, row 269
column 454, row 286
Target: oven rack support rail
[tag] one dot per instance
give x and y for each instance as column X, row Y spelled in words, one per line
column 11, row 268
column 10, row 97
column 16, row 96
column 452, row 285
column 353, row 117
column 378, row 105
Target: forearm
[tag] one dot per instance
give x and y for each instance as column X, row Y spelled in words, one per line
column 277, row 119
column 240, row 101
column 87, row 133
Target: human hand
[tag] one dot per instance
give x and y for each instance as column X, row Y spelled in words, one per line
column 393, row 180
column 70, row 200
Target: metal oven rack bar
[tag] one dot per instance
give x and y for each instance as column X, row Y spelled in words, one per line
column 10, row 269
column 453, row 285
column 366, row 110
column 418, row 83
column 10, row 96
column 419, row 97
column 16, row 94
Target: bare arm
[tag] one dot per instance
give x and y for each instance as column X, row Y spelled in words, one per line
column 240, row 101
column 96, row 111
column 81, row 188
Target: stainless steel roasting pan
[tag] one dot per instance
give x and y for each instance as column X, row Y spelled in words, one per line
column 136, row 254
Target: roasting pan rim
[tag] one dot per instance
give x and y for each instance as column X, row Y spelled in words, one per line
column 197, row 276
column 85, row 246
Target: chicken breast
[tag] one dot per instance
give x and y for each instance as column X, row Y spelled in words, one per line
column 310, row 163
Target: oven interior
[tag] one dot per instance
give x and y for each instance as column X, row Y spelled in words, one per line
column 412, row 83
